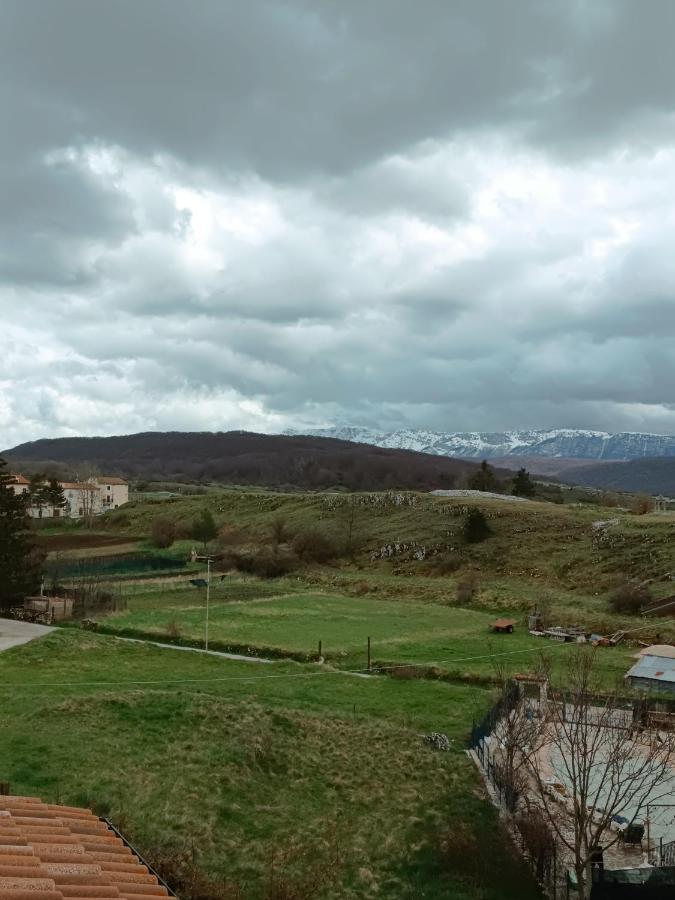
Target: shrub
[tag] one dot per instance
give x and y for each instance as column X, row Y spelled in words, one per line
column 263, row 563
column 173, row 629
column 467, row 588
column 476, row 528
column 229, row 536
column 278, row 532
column 269, row 565
column 162, row 533
column 630, row 597
column 445, row 563
column 314, row 546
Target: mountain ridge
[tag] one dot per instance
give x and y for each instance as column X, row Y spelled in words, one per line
column 240, row 457
column 565, row 443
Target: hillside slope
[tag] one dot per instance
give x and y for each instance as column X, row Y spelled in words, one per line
column 238, row 457
column 652, row 476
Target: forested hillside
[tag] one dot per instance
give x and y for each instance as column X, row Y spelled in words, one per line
column 238, row 457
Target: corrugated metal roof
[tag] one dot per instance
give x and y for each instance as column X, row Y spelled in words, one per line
column 658, row 668
column 664, row 650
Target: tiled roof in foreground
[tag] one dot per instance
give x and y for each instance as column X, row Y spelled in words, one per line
column 57, row 852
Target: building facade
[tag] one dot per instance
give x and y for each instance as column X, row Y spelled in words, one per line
column 82, row 498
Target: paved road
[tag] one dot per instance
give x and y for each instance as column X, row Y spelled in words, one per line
column 13, row 633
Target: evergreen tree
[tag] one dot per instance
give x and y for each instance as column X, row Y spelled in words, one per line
column 476, row 528
column 204, row 528
column 484, row 479
column 522, row 484
column 37, row 492
column 54, row 495
column 19, row 560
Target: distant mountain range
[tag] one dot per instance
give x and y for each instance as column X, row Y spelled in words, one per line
column 623, row 461
column 562, row 443
column 362, row 458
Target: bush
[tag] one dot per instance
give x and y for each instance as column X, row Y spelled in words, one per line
column 229, row 536
column 476, row 528
column 467, row 588
column 630, row 597
column 314, row 546
column 162, row 533
column 263, row 563
column 445, row 563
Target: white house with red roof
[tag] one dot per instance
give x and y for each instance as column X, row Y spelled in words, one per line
column 83, row 498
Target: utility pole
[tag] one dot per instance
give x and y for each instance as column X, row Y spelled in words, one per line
column 208, row 560
column 208, row 597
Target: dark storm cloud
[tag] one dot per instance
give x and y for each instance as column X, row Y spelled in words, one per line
column 445, row 214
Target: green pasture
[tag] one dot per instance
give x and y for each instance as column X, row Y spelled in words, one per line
column 287, row 617
column 254, row 766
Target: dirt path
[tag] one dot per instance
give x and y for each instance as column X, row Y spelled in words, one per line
column 13, row 633
column 239, row 656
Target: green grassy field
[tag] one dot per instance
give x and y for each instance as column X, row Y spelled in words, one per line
column 318, row 776
column 306, row 769
column 284, row 617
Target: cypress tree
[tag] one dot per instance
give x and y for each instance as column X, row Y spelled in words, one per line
column 20, row 561
column 522, row 484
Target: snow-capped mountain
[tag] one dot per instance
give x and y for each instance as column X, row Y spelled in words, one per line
column 564, row 443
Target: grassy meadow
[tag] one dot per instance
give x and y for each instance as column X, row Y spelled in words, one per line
column 298, row 779
column 285, row 618
column 281, row 777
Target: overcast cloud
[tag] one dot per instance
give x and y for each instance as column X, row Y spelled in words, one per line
column 450, row 214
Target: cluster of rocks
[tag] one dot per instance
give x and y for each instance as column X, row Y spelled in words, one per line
column 398, row 548
column 438, row 741
column 387, row 499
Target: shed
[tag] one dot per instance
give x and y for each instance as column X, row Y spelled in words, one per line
column 504, row 626
column 653, row 673
column 52, row 608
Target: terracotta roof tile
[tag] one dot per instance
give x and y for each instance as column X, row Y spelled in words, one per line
column 50, row 852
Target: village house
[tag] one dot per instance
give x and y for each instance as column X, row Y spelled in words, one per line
column 20, row 484
column 83, row 498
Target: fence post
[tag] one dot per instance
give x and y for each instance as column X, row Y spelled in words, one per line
column 369, row 654
column 320, row 647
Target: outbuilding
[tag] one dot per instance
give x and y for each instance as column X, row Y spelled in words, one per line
column 654, row 670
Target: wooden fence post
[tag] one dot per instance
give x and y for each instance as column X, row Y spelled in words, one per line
column 369, row 654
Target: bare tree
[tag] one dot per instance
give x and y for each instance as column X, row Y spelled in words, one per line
column 516, row 731
column 88, row 496
column 278, row 532
column 351, row 526
column 609, row 765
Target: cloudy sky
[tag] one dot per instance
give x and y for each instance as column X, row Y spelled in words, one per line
column 450, row 214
